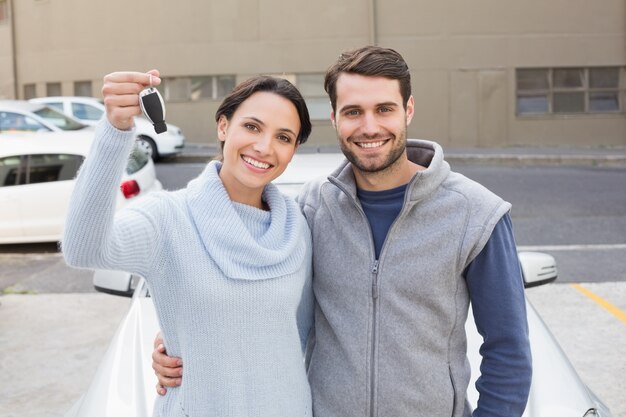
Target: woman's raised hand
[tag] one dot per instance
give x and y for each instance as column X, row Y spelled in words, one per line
column 121, row 95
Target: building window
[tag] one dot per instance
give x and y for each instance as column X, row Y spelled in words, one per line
column 312, row 88
column 53, row 89
column 604, row 89
column 570, row 90
column 210, row 87
column 82, row 88
column 30, row 91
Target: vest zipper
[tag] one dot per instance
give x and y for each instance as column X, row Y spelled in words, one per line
column 373, row 347
column 375, row 290
column 375, row 280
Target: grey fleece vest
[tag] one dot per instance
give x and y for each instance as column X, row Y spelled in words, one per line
column 389, row 334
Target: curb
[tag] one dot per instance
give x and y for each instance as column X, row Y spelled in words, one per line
column 541, row 160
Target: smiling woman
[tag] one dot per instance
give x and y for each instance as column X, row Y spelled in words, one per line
column 257, row 148
column 229, row 254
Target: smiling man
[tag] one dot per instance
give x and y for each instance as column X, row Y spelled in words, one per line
column 401, row 247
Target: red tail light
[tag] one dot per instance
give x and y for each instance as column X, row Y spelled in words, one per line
column 130, row 188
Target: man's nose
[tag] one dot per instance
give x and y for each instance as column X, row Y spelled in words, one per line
column 369, row 126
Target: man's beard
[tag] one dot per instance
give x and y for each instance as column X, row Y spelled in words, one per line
column 398, row 148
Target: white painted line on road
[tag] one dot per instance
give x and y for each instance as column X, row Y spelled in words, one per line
column 614, row 246
column 602, row 302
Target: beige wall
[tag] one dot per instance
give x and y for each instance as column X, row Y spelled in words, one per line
column 6, row 63
column 462, row 54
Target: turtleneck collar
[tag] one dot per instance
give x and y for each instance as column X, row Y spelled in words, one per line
column 239, row 239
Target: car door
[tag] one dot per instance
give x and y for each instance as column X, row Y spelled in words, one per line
column 10, row 219
column 45, row 196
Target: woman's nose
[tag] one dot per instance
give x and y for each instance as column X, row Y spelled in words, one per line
column 263, row 145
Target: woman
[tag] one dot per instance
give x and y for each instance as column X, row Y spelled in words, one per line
column 228, row 258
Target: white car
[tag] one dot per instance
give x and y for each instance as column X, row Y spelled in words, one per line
column 124, row 383
column 17, row 116
column 37, row 176
column 88, row 110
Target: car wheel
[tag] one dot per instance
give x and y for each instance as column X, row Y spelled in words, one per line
column 147, row 145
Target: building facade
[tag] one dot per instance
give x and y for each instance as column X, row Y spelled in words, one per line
column 484, row 73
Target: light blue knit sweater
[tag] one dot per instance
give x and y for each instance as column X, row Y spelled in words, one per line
column 231, row 283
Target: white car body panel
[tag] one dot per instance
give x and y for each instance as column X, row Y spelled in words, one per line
column 56, row 196
column 10, row 219
column 125, row 381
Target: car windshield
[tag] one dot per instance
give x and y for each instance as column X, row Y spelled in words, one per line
column 59, row 119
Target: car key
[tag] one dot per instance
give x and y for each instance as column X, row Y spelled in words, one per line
column 153, row 107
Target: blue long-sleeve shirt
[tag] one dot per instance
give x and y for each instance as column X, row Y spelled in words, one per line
column 494, row 281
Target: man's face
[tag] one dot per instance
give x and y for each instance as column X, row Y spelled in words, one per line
column 371, row 121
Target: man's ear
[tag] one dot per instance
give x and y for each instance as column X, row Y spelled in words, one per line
column 410, row 110
column 222, row 127
column 332, row 119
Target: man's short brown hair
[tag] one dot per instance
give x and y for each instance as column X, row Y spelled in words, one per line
column 369, row 61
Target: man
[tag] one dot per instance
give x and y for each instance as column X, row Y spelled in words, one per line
column 401, row 247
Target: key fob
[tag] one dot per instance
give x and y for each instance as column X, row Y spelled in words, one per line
column 153, row 108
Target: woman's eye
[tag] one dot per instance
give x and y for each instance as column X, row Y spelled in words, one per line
column 284, row 138
column 250, row 127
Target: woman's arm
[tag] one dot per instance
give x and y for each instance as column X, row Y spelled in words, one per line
column 95, row 236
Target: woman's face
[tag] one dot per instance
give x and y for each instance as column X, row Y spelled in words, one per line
column 259, row 142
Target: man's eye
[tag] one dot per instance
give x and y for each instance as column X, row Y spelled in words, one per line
column 352, row 113
column 384, row 109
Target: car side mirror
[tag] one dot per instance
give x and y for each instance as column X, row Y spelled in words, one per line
column 537, row 268
column 114, row 282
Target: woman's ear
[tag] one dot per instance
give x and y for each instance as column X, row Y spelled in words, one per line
column 222, row 127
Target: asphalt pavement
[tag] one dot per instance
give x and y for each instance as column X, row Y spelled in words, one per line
column 50, row 344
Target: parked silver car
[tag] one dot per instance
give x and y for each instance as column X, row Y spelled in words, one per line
column 124, row 383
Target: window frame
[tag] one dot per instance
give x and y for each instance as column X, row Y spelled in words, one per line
column 185, row 83
column 83, row 88
column 551, row 90
column 315, row 100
